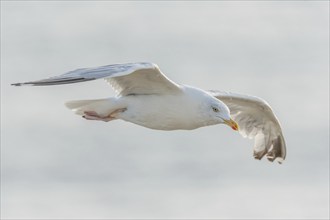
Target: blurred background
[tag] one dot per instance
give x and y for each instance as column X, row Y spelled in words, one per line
column 54, row 164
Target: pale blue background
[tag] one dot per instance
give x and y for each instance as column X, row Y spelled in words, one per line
column 57, row 165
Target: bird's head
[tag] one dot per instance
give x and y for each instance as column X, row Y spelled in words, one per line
column 220, row 113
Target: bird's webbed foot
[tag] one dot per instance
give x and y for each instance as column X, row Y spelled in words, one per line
column 92, row 115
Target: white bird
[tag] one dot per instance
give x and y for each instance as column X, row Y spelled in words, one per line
column 145, row 96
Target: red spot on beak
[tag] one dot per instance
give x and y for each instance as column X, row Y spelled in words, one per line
column 232, row 124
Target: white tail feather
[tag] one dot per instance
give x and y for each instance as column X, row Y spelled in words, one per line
column 103, row 107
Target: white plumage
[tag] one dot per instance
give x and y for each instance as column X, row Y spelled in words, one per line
column 256, row 121
column 148, row 98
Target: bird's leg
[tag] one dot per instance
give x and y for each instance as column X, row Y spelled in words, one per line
column 92, row 115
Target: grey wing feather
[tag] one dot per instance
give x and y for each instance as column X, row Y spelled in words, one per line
column 256, row 120
column 86, row 74
column 129, row 78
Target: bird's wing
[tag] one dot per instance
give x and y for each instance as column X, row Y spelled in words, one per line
column 126, row 79
column 256, row 120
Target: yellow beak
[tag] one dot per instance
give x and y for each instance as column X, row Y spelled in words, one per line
column 231, row 123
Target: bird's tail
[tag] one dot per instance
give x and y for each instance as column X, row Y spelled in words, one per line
column 101, row 106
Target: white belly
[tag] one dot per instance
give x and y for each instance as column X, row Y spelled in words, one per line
column 165, row 112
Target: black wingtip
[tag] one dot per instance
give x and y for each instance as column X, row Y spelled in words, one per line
column 22, row 84
column 17, row 84
column 50, row 82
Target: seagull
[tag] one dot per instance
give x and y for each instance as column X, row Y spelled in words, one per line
column 146, row 97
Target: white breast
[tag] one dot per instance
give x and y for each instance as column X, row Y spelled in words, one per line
column 162, row 112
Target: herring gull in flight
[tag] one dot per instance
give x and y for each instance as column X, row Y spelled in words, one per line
column 145, row 96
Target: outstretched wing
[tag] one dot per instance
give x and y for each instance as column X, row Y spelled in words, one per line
column 126, row 79
column 256, row 120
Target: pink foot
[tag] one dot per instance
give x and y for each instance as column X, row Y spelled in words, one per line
column 91, row 115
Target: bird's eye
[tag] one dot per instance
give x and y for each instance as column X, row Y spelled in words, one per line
column 215, row 109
